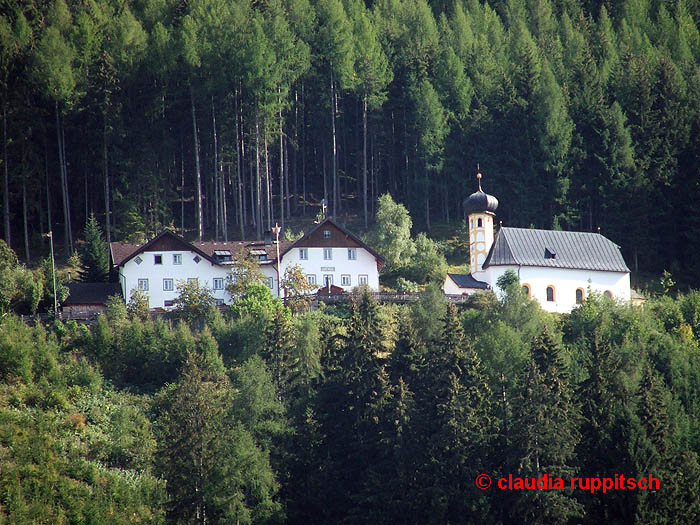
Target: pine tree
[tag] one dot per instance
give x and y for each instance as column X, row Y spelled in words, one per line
column 94, row 253
column 454, row 417
column 546, row 419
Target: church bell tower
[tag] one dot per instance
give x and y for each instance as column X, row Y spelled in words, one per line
column 479, row 209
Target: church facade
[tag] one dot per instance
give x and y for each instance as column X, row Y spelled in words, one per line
column 556, row 268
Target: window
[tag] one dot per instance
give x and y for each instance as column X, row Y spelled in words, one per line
column 223, row 255
column 479, row 223
column 157, row 259
column 218, row 302
column 259, row 254
column 177, row 258
column 526, row 290
column 327, row 280
column 196, row 259
column 303, row 254
column 550, row 293
column 193, row 280
column 218, row 283
column 345, row 280
column 352, row 254
column 168, row 303
column 608, row 294
column 138, row 260
column 362, row 279
column 270, row 283
column 326, row 234
column 168, row 285
column 311, row 278
column 327, row 254
column 143, row 285
column 579, row 296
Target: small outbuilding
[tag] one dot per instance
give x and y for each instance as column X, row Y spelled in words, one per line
column 88, row 299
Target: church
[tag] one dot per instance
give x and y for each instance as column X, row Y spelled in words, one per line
column 557, row 268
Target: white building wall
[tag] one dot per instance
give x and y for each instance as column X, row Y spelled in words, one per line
column 565, row 282
column 339, row 265
column 205, row 271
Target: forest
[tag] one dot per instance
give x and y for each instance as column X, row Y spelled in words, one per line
column 357, row 413
column 218, row 118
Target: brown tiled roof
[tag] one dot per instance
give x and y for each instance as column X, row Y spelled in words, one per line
column 209, row 247
column 122, row 250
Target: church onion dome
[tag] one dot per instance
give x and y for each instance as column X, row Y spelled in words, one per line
column 480, row 202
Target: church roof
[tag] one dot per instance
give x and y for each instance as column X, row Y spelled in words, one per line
column 467, row 281
column 555, row 249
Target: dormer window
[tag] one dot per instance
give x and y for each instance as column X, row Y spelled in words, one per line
column 222, row 255
column 549, row 254
column 326, row 234
column 259, row 254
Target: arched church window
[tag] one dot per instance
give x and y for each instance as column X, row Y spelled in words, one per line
column 608, row 294
column 579, row 296
column 479, row 223
column 526, row 289
column 550, row 293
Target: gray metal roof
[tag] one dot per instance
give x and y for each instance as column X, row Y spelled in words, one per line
column 555, row 249
column 467, row 281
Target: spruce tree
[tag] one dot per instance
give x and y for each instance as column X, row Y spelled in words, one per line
column 454, row 418
column 545, row 419
column 94, row 253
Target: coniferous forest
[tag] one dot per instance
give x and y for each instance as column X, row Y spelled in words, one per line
column 357, row 413
column 219, row 118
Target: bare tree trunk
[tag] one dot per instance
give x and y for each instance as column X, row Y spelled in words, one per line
column 200, row 228
column 286, row 179
column 427, row 204
column 6, row 181
column 64, row 188
column 258, row 211
column 108, row 229
column 24, row 217
column 364, row 157
column 303, row 154
column 46, row 178
column 182, row 186
column 217, row 203
column 268, row 184
column 335, row 149
column 281, row 164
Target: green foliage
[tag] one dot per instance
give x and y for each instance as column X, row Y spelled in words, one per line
column 194, row 303
column 138, row 305
column 428, row 264
column 392, row 233
column 93, row 253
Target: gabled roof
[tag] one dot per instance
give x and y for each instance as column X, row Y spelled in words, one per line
column 122, row 253
column 91, row 293
column 555, row 249
column 467, row 281
column 309, row 233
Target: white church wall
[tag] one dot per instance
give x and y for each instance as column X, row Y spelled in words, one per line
column 565, row 283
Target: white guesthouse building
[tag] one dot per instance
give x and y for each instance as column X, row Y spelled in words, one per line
column 557, row 268
column 328, row 254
